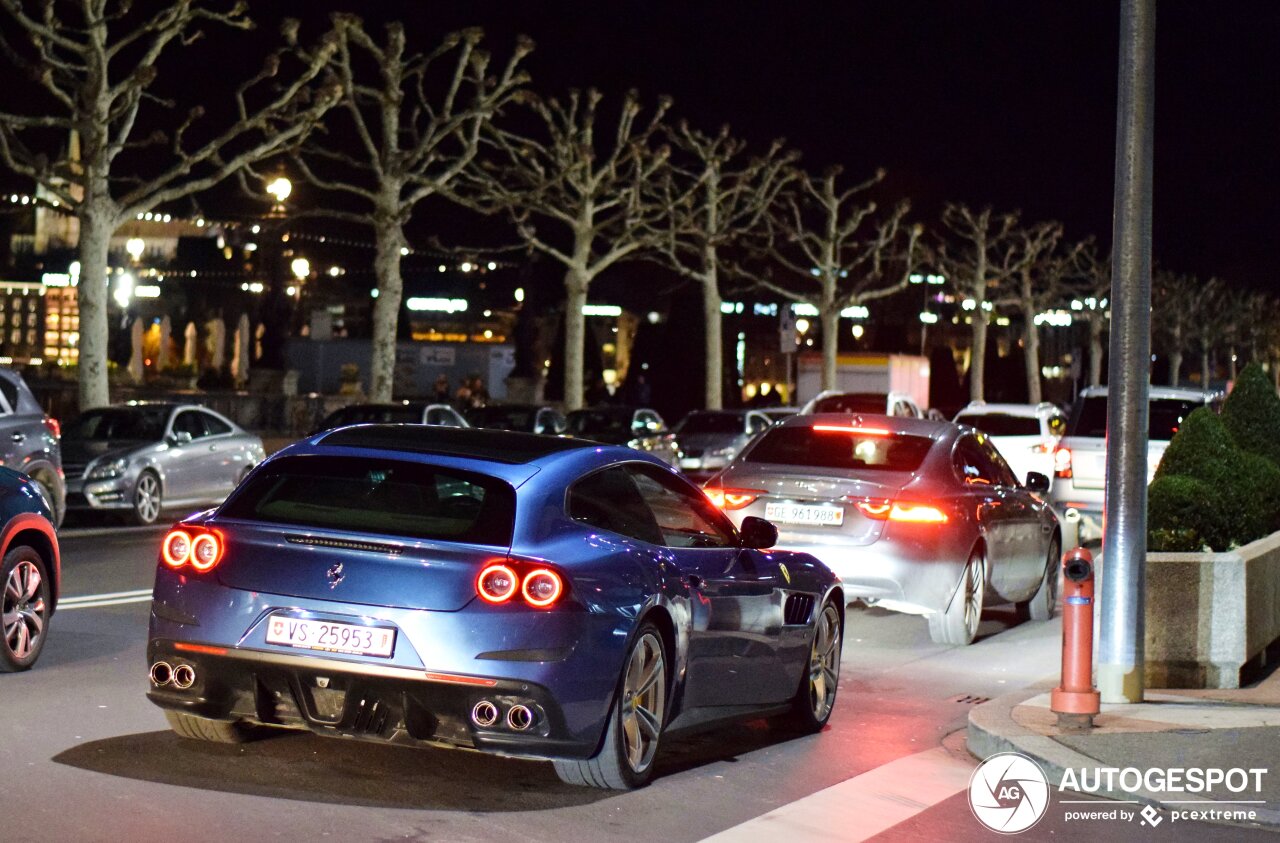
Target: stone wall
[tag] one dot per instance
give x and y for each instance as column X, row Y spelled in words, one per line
column 1212, row 619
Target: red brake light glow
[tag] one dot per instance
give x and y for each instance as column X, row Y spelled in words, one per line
column 1062, row 462
column 845, row 428
column 879, row 509
column 200, row 547
column 206, row 550
column 496, row 584
column 732, row 498
column 542, row 587
column 917, row 513
column 53, row 427
column 176, row 548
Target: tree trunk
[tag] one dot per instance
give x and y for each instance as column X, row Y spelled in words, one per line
column 830, row 317
column 1095, row 350
column 1204, row 366
column 1175, row 367
column 978, row 352
column 389, row 239
column 97, row 223
column 575, row 329
column 1231, row 364
column 713, row 338
column 1031, row 353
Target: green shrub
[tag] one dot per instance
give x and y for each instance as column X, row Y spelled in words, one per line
column 1251, row 413
column 1201, row 448
column 1252, row 497
column 1238, row 490
column 1184, row 514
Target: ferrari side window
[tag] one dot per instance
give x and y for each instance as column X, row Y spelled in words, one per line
column 609, row 500
column 686, row 519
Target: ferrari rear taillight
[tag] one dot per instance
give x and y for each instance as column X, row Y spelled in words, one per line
column 1062, row 462
column 542, row 587
column 539, row 585
column 497, row 584
column 200, row 548
column 732, row 498
column 882, row 509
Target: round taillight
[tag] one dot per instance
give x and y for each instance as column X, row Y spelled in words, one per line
column 496, row 584
column 205, row 551
column 176, row 548
column 542, row 587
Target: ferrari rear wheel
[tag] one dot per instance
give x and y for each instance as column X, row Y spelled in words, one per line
column 205, row 729
column 625, row 760
column 816, row 697
column 958, row 623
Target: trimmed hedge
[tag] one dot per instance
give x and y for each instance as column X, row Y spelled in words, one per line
column 1184, row 515
column 1251, row 414
column 1210, row 490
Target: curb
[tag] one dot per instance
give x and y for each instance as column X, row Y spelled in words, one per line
column 992, row 729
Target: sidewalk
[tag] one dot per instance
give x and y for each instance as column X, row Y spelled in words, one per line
column 1172, row 729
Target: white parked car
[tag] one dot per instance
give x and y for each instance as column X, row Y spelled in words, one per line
column 1080, row 461
column 878, row 403
column 1025, row 434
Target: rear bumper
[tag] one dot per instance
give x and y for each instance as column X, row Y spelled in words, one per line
column 918, row 577
column 564, row 665
column 341, row 699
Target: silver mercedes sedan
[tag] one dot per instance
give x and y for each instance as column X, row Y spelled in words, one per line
column 142, row 458
column 914, row 515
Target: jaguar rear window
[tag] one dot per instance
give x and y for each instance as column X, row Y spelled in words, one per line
column 384, row 497
column 836, row 446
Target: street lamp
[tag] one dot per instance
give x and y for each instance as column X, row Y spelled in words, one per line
column 280, row 188
column 301, row 268
column 135, row 246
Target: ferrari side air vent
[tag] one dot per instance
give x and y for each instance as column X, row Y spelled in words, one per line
column 796, row 610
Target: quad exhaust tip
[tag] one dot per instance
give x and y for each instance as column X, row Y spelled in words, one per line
column 484, row 714
column 184, row 676
column 161, row 673
column 519, row 717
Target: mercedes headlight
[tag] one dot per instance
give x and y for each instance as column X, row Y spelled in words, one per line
column 108, row 470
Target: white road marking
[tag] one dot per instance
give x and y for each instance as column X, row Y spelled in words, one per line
column 115, row 598
column 863, row 806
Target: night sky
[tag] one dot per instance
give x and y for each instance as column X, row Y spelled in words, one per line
column 1004, row 103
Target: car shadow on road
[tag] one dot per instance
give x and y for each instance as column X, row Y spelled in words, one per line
column 725, row 743
column 308, row 768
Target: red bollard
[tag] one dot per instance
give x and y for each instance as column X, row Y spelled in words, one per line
column 1075, row 701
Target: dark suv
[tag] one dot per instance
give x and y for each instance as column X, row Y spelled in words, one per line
column 29, row 442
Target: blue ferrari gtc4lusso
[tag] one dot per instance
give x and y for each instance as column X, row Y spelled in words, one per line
column 511, row 593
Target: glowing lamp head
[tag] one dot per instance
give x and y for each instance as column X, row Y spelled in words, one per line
column 280, row 188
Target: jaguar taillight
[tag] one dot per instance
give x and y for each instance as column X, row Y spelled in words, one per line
column 880, row 509
column 732, row 498
column 194, row 546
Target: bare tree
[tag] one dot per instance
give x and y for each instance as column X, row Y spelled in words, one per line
column 417, row 119
column 1037, row 282
column 979, row 253
column 1212, row 306
column 591, row 187
column 715, row 199
column 95, row 63
column 1089, row 284
column 1173, row 298
column 833, row 260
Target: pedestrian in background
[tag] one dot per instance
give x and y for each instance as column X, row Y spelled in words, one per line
column 440, row 393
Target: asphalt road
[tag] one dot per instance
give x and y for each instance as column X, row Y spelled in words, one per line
column 85, row 757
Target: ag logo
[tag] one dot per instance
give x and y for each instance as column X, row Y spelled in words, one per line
column 1008, row 793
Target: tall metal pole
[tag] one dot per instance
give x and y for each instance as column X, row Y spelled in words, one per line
column 1120, row 650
